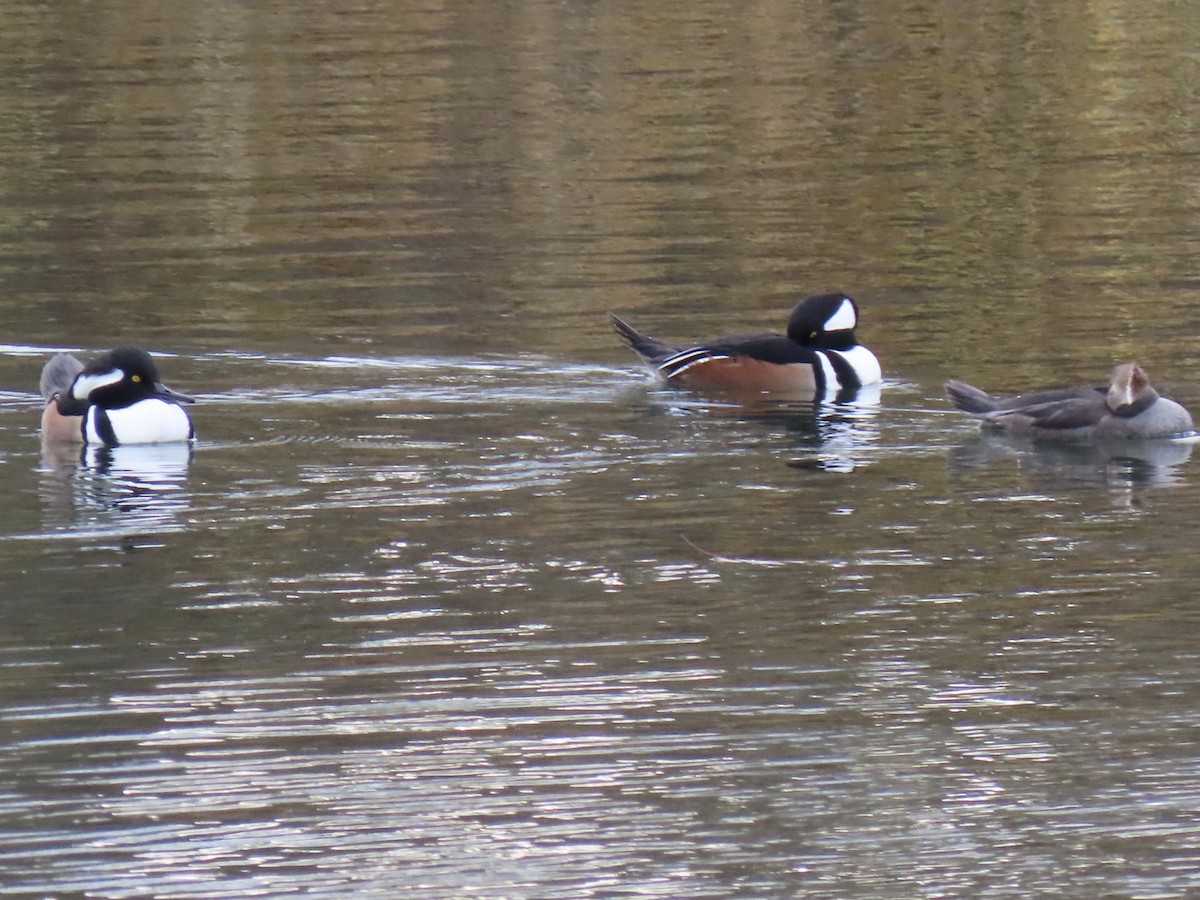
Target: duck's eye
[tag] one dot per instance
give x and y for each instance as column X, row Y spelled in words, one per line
column 136, row 379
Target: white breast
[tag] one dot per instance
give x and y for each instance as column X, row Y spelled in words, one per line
column 832, row 385
column 150, row 421
column 864, row 364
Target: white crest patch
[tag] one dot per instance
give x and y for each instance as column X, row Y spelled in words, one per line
column 844, row 319
column 85, row 384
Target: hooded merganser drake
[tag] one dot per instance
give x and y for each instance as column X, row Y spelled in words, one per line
column 1127, row 408
column 819, row 357
column 118, row 398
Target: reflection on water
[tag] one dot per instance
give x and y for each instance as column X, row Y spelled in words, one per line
column 847, row 433
column 833, row 436
column 1114, row 465
column 90, row 490
column 580, row 632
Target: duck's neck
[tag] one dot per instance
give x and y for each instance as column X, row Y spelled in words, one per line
column 833, row 340
column 1141, row 401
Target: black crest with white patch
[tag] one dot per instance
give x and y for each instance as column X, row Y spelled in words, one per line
column 824, row 321
column 121, row 378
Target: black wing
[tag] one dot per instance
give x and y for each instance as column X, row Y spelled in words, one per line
column 770, row 348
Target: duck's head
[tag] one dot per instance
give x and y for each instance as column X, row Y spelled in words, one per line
column 121, row 378
column 824, row 320
column 1129, row 390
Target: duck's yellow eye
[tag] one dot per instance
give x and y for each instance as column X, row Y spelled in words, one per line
column 136, row 379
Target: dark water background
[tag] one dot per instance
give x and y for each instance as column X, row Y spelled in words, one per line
column 447, row 601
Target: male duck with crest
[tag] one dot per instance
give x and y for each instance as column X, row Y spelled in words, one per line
column 118, row 398
column 819, row 356
column 1128, row 407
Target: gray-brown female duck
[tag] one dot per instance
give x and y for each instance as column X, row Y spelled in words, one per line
column 1128, row 407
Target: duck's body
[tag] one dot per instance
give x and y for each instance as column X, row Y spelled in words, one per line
column 819, row 356
column 61, row 423
column 1128, row 407
column 116, row 399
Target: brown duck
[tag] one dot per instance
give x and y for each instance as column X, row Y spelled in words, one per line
column 1128, row 407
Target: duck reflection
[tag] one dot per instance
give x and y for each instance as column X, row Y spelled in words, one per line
column 844, row 434
column 1117, row 464
column 832, row 436
column 135, row 488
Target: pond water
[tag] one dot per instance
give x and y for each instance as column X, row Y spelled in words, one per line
column 449, row 600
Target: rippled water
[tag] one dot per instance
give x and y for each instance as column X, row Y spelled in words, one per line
column 448, row 600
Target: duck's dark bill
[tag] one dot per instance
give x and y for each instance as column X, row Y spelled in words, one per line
column 171, row 394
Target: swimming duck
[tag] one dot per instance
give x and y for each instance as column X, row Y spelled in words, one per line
column 61, row 423
column 118, row 398
column 819, row 356
column 1128, row 407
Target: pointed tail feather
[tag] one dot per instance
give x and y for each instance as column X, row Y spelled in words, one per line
column 58, row 374
column 646, row 347
column 970, row 399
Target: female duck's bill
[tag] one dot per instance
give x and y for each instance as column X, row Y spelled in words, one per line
column 1128, row 407
column 118, row 398
column 818, row 358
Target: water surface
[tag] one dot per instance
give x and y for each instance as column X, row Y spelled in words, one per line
column 447, row 599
